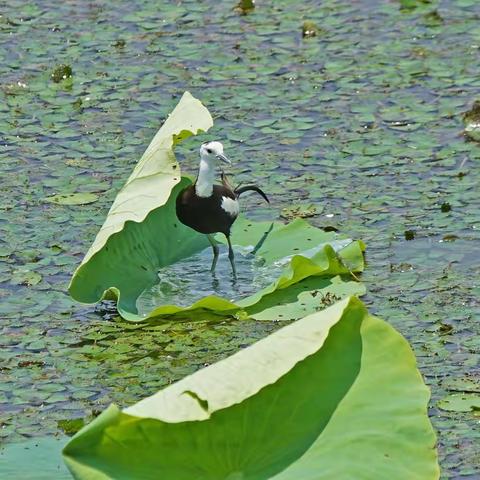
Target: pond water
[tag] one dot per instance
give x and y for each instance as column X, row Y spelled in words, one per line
column 364, row 121
column 189, row 280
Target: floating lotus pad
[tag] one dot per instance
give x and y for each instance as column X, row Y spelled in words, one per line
column 142, row 234
column 334, row 395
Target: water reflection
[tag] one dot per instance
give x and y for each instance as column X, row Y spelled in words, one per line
column 189, row 280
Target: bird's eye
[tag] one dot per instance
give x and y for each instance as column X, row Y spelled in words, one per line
column 208, row 150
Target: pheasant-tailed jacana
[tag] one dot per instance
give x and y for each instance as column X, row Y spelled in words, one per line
column 209, row 208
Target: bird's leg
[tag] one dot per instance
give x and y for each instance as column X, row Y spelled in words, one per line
column 231, row 256
column 216, row 250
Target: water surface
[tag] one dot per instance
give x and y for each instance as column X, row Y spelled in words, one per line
column 363, row 121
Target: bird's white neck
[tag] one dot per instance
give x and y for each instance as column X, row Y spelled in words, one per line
column 205, row 178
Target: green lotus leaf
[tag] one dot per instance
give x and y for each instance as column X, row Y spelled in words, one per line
column 142, row 235
column 334, row 395
column 44, row 459
column 73, row 198
column 460, row 402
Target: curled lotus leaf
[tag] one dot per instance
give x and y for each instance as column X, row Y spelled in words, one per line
column 338, row 384
column 142, row 235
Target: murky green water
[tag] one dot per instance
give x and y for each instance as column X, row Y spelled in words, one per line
column 363, row 120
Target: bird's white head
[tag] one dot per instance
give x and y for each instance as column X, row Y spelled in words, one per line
column 213, row 150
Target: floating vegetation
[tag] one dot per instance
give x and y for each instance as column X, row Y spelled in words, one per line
column 310, row 29
column 409, row 234
column 245, row 6
column 273, row 99
column 299, row 211
column 71, row 426
column 458, row 402
column 24, row 276
column 120, row 43
column 62, row 72
column 445, row 207
column 471, row 120
column 433, row 19
column 413, row 4
column 80, row 198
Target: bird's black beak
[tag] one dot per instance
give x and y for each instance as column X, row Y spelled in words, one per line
column 223, row 158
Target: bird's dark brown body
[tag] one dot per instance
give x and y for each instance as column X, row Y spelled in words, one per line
column 205, row 214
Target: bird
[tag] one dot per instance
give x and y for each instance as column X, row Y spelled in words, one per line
column 210, row 208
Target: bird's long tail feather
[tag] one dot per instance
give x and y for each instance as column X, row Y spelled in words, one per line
column 239, row 190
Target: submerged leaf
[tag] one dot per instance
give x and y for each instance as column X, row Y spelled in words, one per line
column 337, row 384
